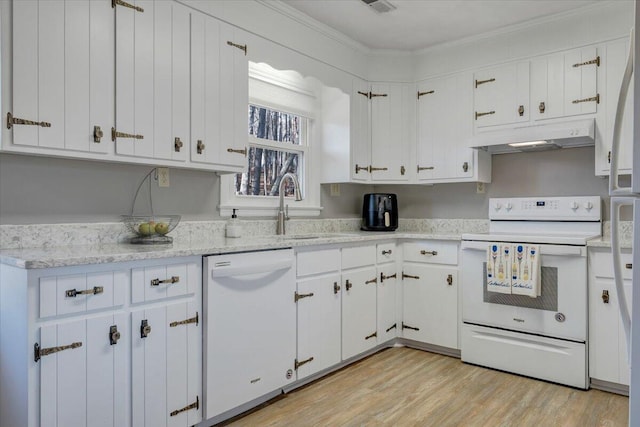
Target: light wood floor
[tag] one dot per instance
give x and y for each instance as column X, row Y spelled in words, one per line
column 406, row 387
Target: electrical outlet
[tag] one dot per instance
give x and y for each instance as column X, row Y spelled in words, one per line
column 163, row 177
column 480, row 188
column 335, row 190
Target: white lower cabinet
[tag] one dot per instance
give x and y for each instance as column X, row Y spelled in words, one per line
column 318, row 311
column 73, row 354
column 430, row 293
column 607, row 344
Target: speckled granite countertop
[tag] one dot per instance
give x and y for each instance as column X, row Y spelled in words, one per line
column 30, row 258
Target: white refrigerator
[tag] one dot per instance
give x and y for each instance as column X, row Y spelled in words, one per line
column 629, row 195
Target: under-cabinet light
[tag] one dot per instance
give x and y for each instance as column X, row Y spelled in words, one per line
column 527, row 144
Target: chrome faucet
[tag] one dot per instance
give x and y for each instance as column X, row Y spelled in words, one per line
column 282, row 216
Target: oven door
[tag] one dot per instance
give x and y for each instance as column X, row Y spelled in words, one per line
column 560, row 311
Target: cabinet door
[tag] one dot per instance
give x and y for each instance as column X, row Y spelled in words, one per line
column 430, row 304
column 87, row 383
column 547, row 87
column 580, row 75
column 152, row 75
column 390, row 115
column 501, row 95
column 63, row 73
column 360, row 128
column 318, row 324
column 386, row 296
column 234, row 98
column 359, row 328
column 164, row 281
column 166, row 365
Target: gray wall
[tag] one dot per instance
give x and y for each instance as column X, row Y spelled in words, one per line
column 48, row 190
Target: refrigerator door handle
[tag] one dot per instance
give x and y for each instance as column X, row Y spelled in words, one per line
column 614, row 188
column 616, row 204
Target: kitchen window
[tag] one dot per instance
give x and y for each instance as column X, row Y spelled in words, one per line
column 281, row 118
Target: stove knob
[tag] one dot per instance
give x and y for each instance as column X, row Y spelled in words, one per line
column 508, row 206
column 588, row 205
column 574, row 205
column 497, row 206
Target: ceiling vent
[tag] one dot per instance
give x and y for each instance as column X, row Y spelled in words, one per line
column 380, row 6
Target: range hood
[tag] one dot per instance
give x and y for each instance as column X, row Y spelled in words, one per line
column 538, row 137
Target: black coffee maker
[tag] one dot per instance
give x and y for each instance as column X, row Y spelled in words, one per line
column 379, row 212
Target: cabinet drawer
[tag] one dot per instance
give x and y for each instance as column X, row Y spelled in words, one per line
column 163, row 281
column 358, row 256
column 315, row 262
column 81, row 292
column 432, row 251
column 386, row 252
column 602, row 264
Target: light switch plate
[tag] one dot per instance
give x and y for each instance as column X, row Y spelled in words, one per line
column 163, row 177
column 480, row 188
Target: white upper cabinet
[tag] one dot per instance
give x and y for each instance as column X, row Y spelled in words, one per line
column 152, row 80
column 444, row 109
column 565, row 84
column 501, row 95
column 381, row 131
column 62, row 77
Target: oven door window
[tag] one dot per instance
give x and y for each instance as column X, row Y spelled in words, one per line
column 547, row 301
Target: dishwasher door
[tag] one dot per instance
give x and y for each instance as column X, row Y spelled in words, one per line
column 249, row 327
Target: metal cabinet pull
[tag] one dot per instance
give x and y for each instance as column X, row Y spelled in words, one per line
column 348, row 285
column 595, row 61
column 364, row 93
column 371, row 169
column 200, row 147
column 242, row 47
column 521, row 110
column 297, row 296
column 429, row 92
column 145, row 328
column 173, row 279
column 39, row 352
column 116, row 134
column 115, row 3
column 177, row 144
column 297, row 364
column 16, row 121
column 628, row 266
column 595, row 99
column 375, row 334
column 336, row 287
column 72, row 293
column 423, row 252
column 481, row 82
column 425, row 168
column 374, row 280
column 408, row 276
column 605, row 296
column 194, row 405
column 450, row 279
column 413, row 328
column 387, row 252
column 97, row 134
column 374, row 95
column 195, row 319
column 542, row 107
column 243, row 151
column 484, row 114
column 383, row 277
column 362, row 168
column 394, row 326
column 465, row 167
column 402, row 170
column 114, row 335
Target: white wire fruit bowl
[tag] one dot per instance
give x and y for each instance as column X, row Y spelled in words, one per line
column 151, row 228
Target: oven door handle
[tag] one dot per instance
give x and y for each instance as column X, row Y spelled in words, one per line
column 556, row 250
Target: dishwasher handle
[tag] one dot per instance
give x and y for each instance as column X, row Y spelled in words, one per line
column 242, row 269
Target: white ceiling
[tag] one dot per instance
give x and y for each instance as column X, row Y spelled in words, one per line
column 418, row 24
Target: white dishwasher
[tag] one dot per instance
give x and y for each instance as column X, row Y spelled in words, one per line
column 249, row 326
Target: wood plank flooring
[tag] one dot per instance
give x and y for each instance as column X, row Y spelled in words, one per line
column 407, row 387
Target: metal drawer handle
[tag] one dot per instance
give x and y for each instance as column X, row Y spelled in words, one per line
column 194, row 319
column 605, row 296
column 336, row 287
column 243, row 151
column 423, row 252
column 387, row 252
column 450, row 279
column 371, row 169
column 72, row 293
column 39, row 352
column 374, row 280
column 484, row 114
column 425, row 168
column 173, row 279
column 297, row 296
column 408, row 276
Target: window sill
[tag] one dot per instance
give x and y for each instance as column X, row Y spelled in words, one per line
column 268, row 211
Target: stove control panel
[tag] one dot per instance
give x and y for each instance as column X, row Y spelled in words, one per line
column 579, row 208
